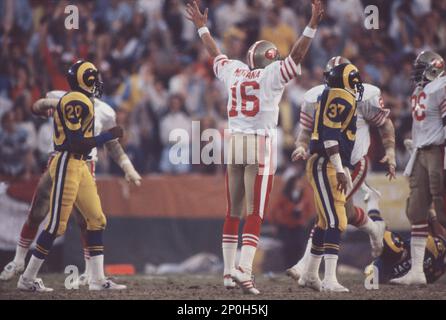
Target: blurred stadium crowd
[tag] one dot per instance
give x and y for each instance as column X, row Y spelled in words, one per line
column 158, row 77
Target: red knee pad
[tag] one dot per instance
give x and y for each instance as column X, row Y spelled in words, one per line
column 360, row 217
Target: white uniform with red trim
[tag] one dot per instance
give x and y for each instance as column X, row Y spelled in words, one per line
column 428, row 109
column 253, row 108
column 371, row 112
column 104, row 119
column 254, row 95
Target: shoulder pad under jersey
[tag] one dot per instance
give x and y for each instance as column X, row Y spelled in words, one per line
column 436, row 85
column 55, row 94
column 370, row 91
column 313, row 94
column 104, row 108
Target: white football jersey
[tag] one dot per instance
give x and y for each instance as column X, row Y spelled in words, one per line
column 371, row 112
column 254, row 95
column 428, row 108
column 104, row 118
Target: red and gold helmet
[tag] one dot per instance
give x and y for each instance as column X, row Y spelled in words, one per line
column 261, row 54
column 427, row 67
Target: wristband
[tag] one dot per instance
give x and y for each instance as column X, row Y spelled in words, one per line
column 309, row 32
column 202, row 31
column 103, row 138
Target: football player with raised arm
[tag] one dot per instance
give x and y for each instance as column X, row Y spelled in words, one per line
column 254, row 90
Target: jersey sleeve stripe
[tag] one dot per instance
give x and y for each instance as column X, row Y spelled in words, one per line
column 217, row 62
column 293, row 66
column 220, row 58
column 306, row 121
column 380, row 118
column 443, row 107
column 282, row 73
column 306, row 124
column 376, row 118
column 287, row 71
column 306, row 116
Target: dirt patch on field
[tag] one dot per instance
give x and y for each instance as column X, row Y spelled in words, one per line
column 209, row 287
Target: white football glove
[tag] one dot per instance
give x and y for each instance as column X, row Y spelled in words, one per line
column 299, row 153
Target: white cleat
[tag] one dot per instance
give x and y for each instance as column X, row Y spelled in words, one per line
column 106, row 284
column 245, row 281
column 311, row 281
column 30, row 285
column 333, row 286
column 228, row 282
column 376, row 239
column 11, row 270
column 295, row 272
column 411, row 278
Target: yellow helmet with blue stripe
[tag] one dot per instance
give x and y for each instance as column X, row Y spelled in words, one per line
column 346, row 76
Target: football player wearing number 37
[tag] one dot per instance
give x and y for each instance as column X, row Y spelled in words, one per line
column 254, row 91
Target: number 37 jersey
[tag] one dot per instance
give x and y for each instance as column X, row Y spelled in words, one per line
column 254, row 95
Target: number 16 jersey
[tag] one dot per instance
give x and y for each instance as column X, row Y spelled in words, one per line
column 254, row 95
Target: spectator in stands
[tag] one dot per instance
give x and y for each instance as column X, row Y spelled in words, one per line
column 176, row 119
column 15, row 153
column 281, row 34
column 146, row 50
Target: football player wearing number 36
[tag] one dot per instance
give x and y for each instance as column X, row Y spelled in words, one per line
column 254, row 92
column 426, row 164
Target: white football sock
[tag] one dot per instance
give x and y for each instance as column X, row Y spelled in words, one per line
column 313, row 263
column 86, row 258
column 373, row 203
column 33, row 268
column 302, row 262
column 247, row 258
column 369, row 227
column 229, row 255
column 87, row 267
column 417, row 249
column 20, row 255
column 96, row 268
column 331, row 261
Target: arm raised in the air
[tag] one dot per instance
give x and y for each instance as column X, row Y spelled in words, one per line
column 200, row 19
column 302, row 45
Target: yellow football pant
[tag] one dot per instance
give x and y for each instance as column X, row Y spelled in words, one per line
column 330, row 203
column 73, row 184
